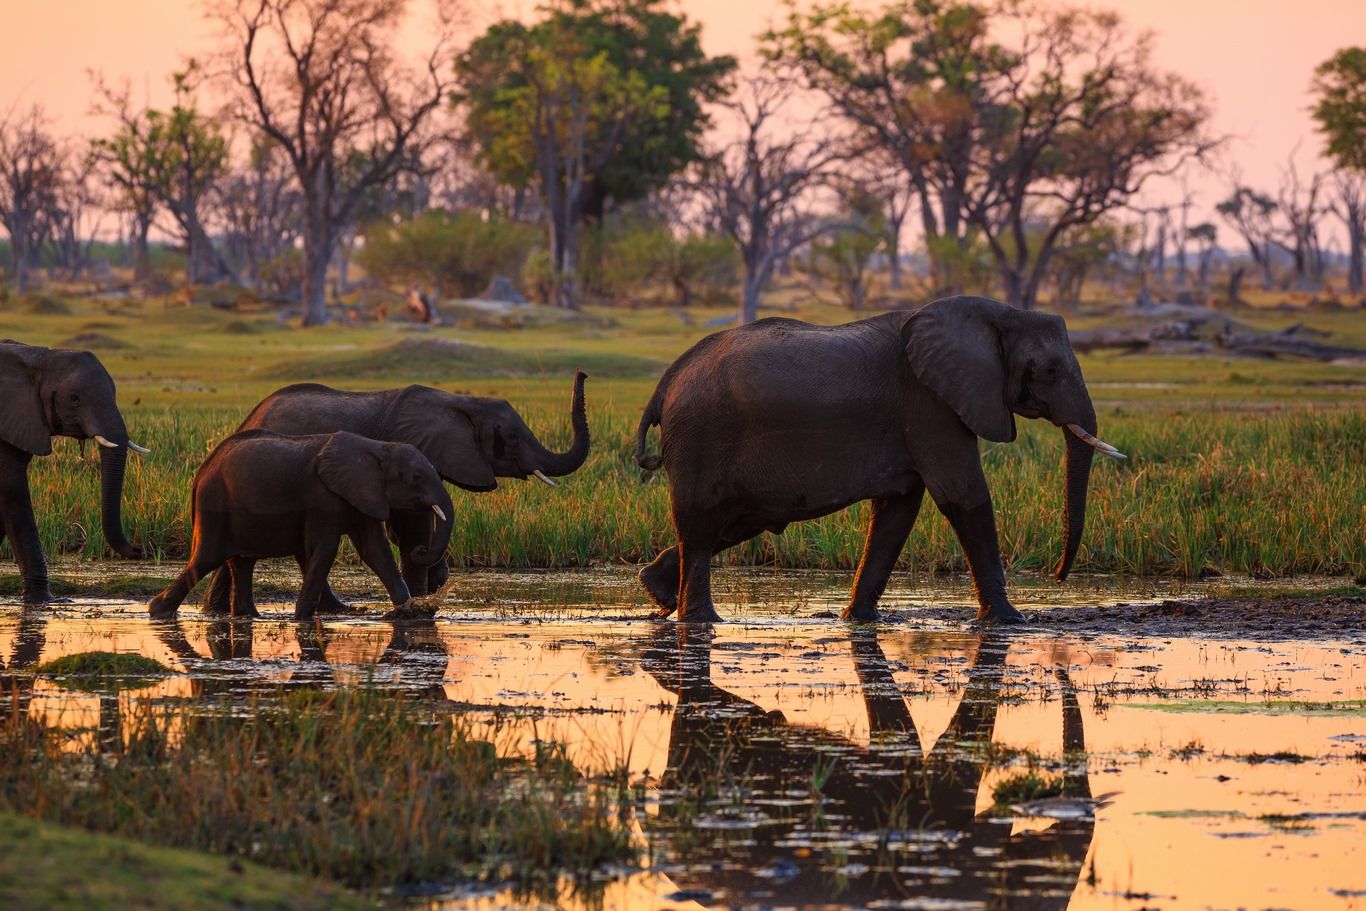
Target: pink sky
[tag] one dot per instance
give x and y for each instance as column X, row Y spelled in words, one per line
column 1254, row 57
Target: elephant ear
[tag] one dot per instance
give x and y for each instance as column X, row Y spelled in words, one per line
column 22, row 423
column 444, row 433
column 352, row 467
column 955, row 348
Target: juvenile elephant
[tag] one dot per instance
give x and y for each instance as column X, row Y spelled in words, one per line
column 47, row 392
column 261, row 494
column 780, row 421
column 472, row 441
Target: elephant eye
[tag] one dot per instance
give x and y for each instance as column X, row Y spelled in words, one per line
column 75, row 398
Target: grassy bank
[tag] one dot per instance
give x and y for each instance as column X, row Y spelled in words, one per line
column 356, row 786
column 1239, row 466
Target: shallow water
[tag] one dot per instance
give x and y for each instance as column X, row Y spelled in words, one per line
column 784, row 759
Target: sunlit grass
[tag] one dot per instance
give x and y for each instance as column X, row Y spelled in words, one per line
column 1263, row 477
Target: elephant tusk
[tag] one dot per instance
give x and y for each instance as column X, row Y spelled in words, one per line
column 439, row 514
column 105, row 443
column 1098, row 443
column 540, row 475
column 140, row 450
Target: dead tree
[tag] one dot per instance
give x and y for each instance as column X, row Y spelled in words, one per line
column 1349, row 204
column 31, row 166
column 758, row 190
column 1300, row 207
column 320, row 78
column 1252, row 215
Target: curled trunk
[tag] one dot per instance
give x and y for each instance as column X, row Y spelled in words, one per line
column 1078, row 461
column 434, row 551
column 113, row 463
column 558, row 464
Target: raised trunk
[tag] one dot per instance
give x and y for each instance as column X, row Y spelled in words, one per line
column 113, row 462
column 1078, row 460
column 559, row 464
column 434, row 551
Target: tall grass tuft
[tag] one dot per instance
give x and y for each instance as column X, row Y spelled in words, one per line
column 1274, row 493
column 358, row 786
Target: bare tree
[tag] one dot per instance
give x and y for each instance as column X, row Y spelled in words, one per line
column 1252, row 215
column 1300, row 208
column 320, row 79
column 758, row 189
column 1350, row 205
column 77, row 214
column 1204, row 234
column 31, row 164
column 259, row 205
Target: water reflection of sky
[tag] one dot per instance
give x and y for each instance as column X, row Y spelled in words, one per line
column 895, row 725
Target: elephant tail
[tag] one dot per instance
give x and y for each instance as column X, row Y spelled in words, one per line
column 649, row 461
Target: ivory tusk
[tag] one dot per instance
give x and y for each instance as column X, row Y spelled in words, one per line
column 439, row 514
column 1098, row 443
column 541, row 476
column 140, row 450
column 105, row 443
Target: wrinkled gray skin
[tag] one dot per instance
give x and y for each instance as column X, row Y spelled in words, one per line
column 472, row 441
column 260, row 494
column 780, row 421
column 47, row 392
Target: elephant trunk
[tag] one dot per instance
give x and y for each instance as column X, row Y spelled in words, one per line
column 113, row 462
column 1078, row 459
column 558, row 464
column 435, row 549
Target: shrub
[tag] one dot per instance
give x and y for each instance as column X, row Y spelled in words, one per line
column 453, row 253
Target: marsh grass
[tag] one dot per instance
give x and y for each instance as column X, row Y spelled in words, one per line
column 1033, row 784
column 100, row 671
column 358, row 786
column 1264, row 477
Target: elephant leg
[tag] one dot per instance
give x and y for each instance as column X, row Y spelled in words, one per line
column 966, row 503
column 320, row 552
column 374, row 552
column 694, row 586
column 411, row 529
column 219, row 597
column 205, row 559
column 887, row 533
column 243, row 601
column 21, row 528
column 328, row 602
column 660, row 579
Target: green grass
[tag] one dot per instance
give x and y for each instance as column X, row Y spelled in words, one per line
column 102, row 671
column 358, row 786
column 62, row 869
column 1347, row 708
column 1265, row 477
column 1030, row 785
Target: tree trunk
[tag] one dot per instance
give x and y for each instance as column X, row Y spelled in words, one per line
column 1235, row 285
column 18, row 251
column 317, row 253
column 1357, row 239
column 894, row 259
column 749, row 297
column 142, row 260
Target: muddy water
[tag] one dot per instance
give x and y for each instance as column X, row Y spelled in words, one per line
column 785, row 760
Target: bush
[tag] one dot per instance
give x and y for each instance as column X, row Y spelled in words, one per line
column 632, row 259
column 452, row 253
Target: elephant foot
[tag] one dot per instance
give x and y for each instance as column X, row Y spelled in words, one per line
column 1002, row 615
column 699, row 613
column 663, row 592
column 409, row 610
column 159, row 608
column 860, row 613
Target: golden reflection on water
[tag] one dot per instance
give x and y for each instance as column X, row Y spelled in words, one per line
column 1192, row 821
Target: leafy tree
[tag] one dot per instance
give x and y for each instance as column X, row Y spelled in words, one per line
column 1252, row 215
column 173, row 159
column 1340, row 86
column 454, row 253
column 843, row 257
column 1059, row 122
column 597, row 102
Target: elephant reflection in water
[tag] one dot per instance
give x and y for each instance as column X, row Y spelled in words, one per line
column 414, row 646
column 16, row 679
column 924, row 805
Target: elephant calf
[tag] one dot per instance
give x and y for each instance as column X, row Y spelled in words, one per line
column 780, row 421
column 262, row 494
column 47, row 392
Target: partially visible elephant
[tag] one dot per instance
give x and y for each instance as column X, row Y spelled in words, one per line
column 47, row 392
column 261, row 494
column 471, row 440
column 780, row 421
column 873, row 796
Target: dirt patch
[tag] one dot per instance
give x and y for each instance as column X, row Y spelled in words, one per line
column 1309, row 617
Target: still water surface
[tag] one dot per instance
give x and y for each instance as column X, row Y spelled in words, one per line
column 784, row 759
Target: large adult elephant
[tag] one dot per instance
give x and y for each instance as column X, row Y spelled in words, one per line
column 780, row 421
column 47, row 392
column 886, row 821
column 472, row 441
